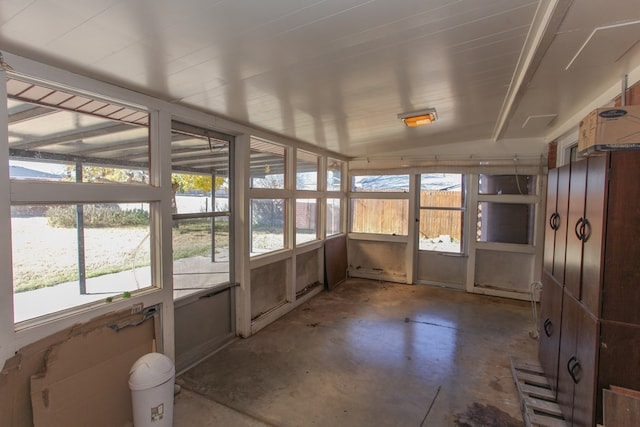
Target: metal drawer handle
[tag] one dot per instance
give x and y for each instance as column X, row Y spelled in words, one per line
column 586, row 230
column 574, row 368
column 548, row 327
column 579, row 228
column 554, row 221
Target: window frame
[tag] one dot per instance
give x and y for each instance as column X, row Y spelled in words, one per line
column 462, row 209
column 331, row 192
column 301, row 154
column 532, row 199
column 393, row 194
column 286, row 156
column 340, row 228
column 316, row 212
column 281, row 192
column 214, row 215
column 341, row 167
column 285, row 234
column 40, row 192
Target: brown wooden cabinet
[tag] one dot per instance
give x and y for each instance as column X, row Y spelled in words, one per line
column 590, row 316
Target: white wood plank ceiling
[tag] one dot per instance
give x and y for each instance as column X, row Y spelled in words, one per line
column 335, row 73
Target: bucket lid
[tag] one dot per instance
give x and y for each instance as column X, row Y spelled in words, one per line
column 150, row 370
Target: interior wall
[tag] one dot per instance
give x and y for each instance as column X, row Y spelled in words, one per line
column 268, row 287
column 308, row 269
column 504, row 270
column 214, row 316
column 386, row 260
column 77, row 375
column 442, row 269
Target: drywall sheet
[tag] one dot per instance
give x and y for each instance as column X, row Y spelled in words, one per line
column 15, row 378
column 85, row 380
column 335, row 260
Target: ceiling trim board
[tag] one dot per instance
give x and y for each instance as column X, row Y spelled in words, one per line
column 541, row 37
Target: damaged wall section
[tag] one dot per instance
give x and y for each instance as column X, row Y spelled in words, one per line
column 78, row 376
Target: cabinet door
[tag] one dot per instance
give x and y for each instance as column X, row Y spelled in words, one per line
column 584, row 399
column 568, row 346
column 573, row 262
column 559, row 255
column 621, row 287
column 593, row 227
column 550, row 326
column 552, row 218
column 556, row 228
column 577, row 364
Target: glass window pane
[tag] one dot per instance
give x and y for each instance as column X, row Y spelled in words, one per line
column 220, row 196
column 505, row 223
column 61, row 141
column 200, row 162
column 47, row 243
column 507, row 184
column 192, row 194
column 267, row 163
column 390, row 183
column 306, row 171
column 440, row 230
column 306, row 220
column 441, row 190
column 200, row 254
column 267, row 225
column 334, row 217
column 197, row 163
column 334, row 174
column 441, row 212
column 380, row 216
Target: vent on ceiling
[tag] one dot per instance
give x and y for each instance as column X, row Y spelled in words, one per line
column 538, row 121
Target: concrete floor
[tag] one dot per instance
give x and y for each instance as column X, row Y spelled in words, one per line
column 369, row 354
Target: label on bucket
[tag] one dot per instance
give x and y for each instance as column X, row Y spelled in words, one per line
column 157, row 413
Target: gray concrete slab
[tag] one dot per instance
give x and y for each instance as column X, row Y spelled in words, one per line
column 373, row 354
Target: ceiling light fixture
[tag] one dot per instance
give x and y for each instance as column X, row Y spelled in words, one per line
column 419, row 118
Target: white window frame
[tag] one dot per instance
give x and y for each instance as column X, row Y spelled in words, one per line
column 379, row 195
column 158, row 196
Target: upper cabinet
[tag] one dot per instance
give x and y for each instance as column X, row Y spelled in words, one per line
column 603, row 234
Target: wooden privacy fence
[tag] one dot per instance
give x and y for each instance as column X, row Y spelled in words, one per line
column 391, row 216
